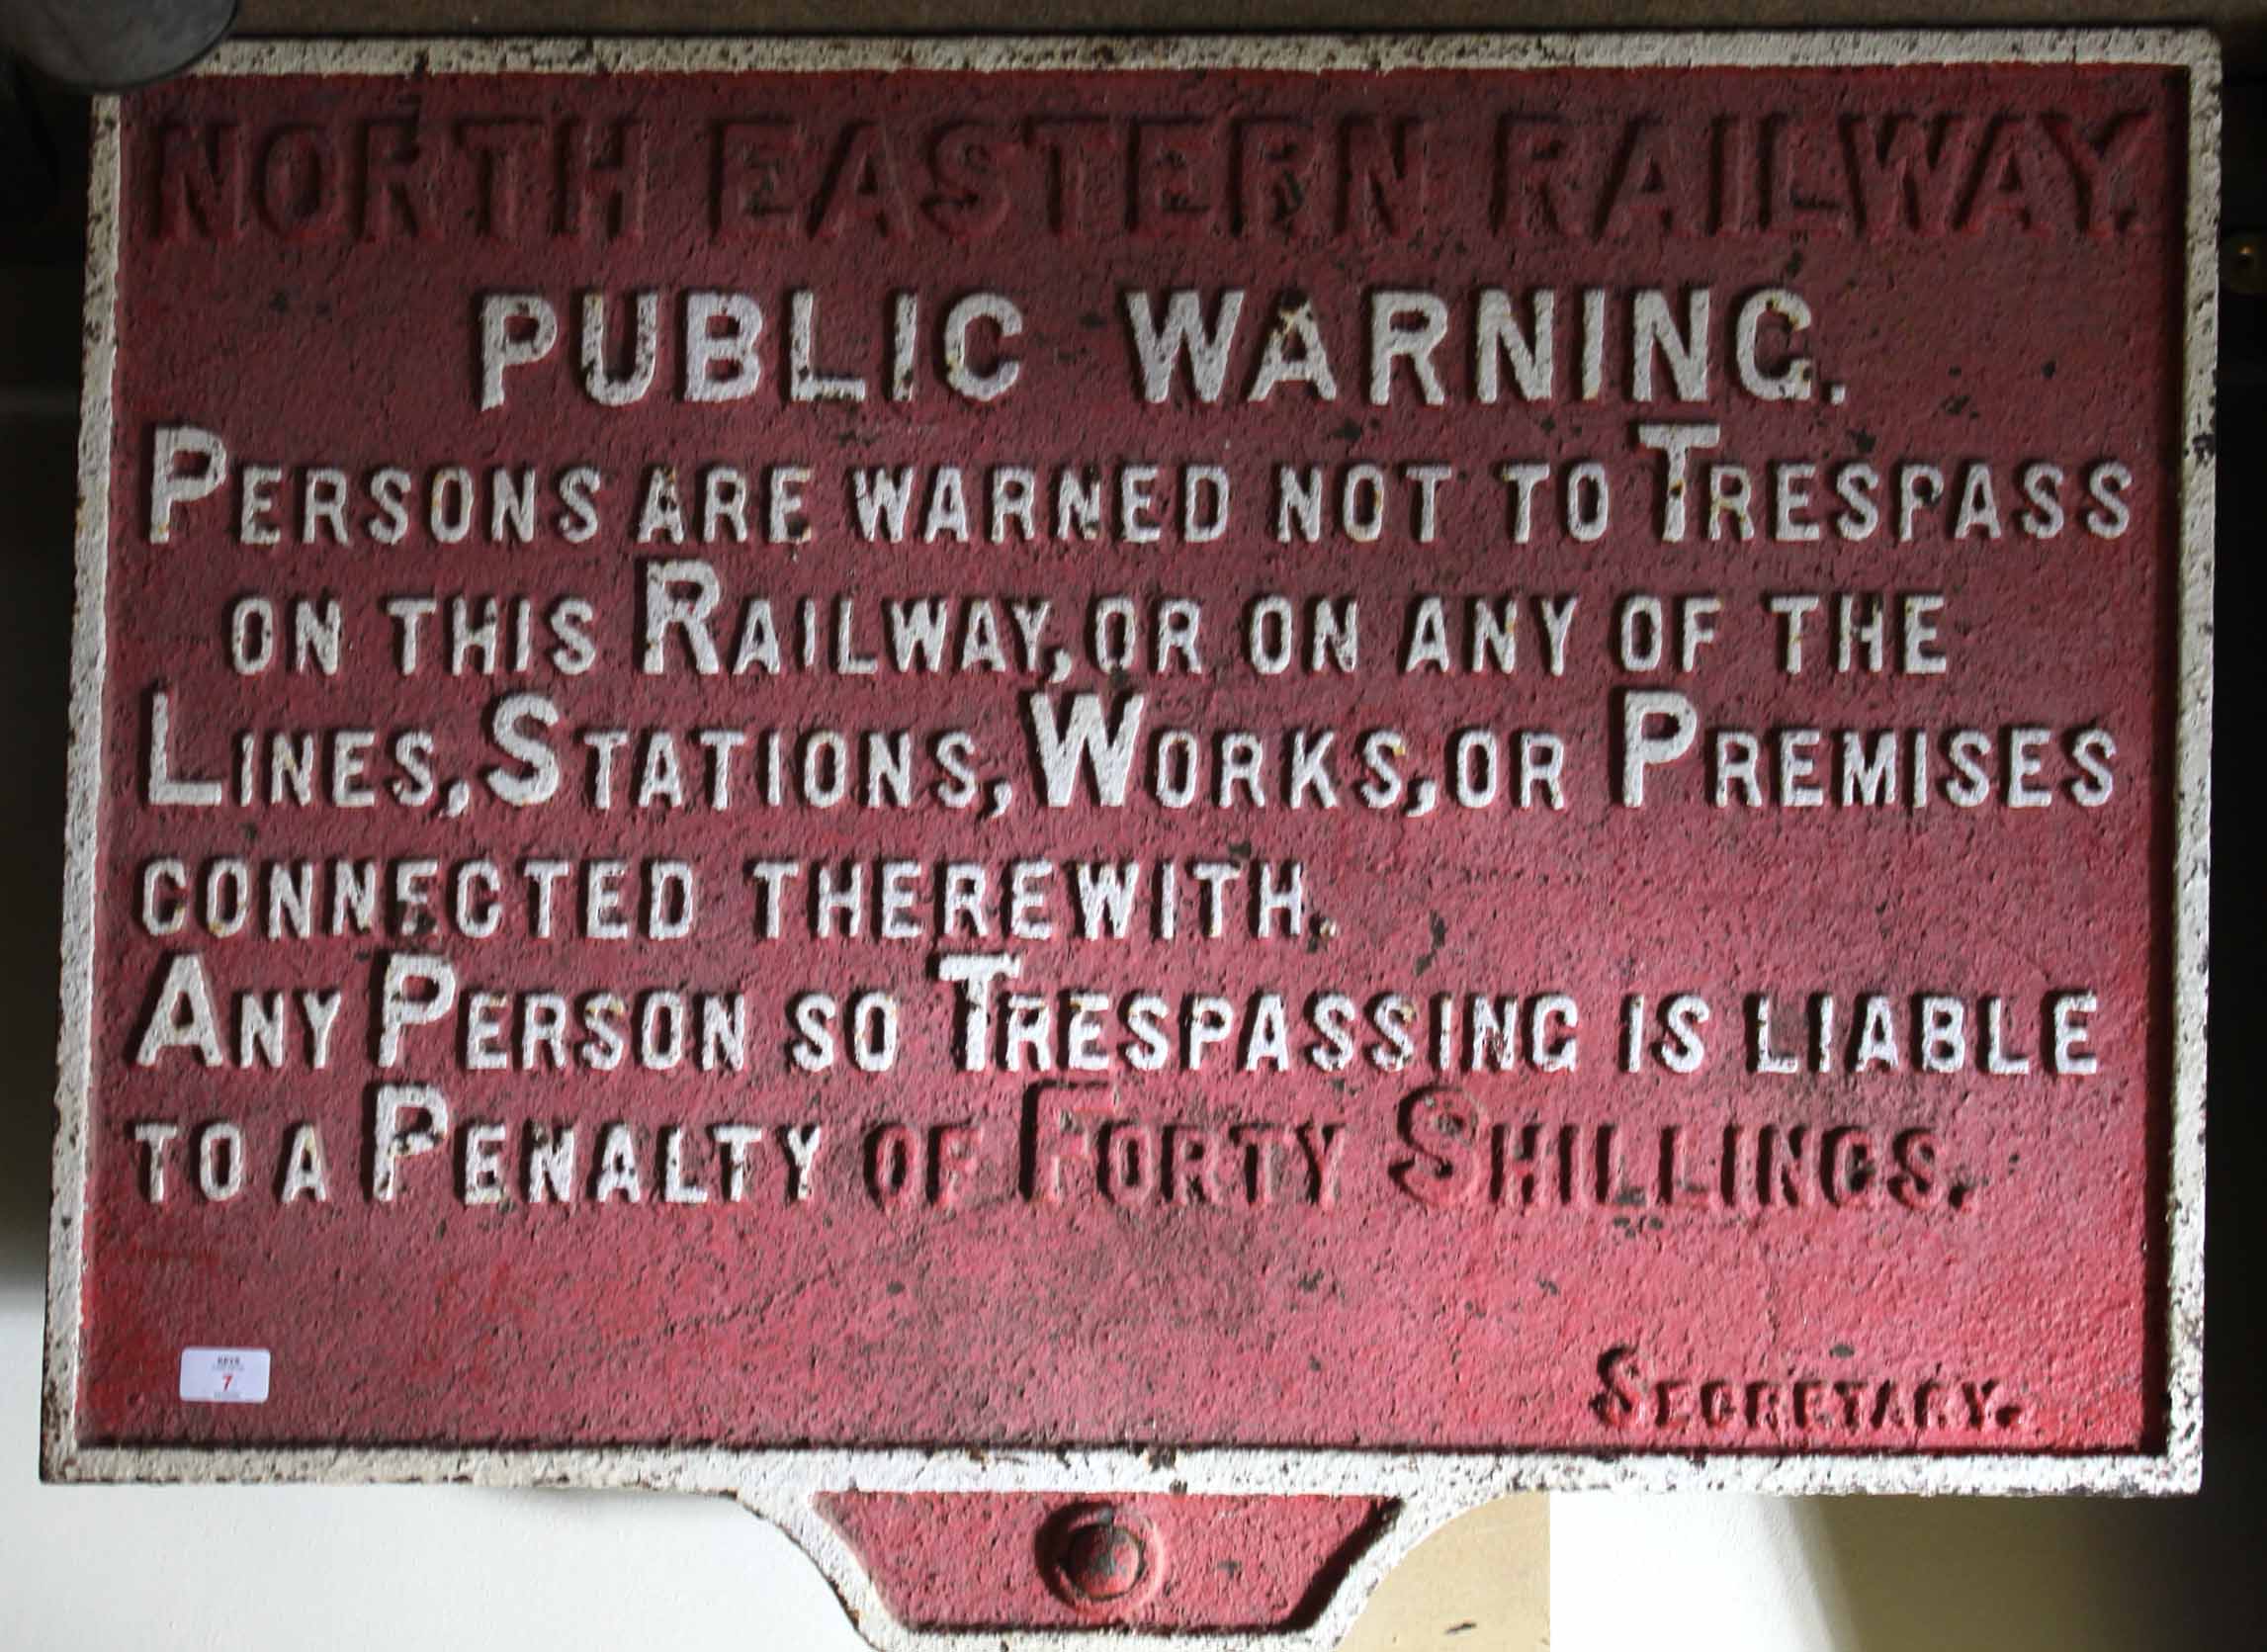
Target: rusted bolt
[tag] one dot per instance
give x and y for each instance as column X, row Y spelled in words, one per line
column 1104, row 1562
column 1101, row 1556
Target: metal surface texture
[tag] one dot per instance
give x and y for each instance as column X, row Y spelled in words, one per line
column 1110, row 815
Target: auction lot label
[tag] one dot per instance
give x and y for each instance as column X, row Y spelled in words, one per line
column 1269, row 754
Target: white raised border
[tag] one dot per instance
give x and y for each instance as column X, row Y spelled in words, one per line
column 1431, row 1486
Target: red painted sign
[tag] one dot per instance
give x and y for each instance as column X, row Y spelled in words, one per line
column 1502, row 758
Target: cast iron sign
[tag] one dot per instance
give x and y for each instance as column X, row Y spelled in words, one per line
column 1110, row 816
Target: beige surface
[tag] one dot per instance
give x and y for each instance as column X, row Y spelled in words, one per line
column 1480, row 1584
